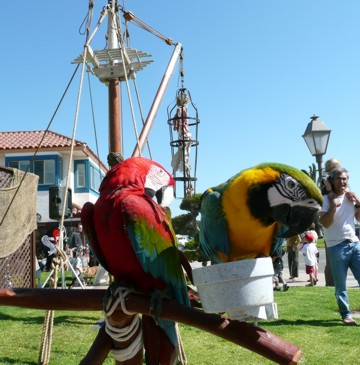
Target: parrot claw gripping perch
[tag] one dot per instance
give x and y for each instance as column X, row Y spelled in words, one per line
column 156, row 305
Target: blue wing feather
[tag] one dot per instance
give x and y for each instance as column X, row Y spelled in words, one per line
column 158, row 256
column 213, row 228
column 278, row 241
column 160, row 261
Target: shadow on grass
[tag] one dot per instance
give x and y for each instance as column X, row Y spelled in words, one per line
column 303, row 322
column 30, row 320
column 74, row 320
column 8, row 360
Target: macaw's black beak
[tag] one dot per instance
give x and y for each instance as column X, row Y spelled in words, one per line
column 150, row 192
column 165, row 195
column 297, row 218
column 159, row 195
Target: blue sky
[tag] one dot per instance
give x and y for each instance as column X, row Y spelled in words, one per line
column 257, row 71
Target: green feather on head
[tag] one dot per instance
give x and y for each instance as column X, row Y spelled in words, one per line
column 309, row 184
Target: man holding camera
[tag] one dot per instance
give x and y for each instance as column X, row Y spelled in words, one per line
column 337, row 215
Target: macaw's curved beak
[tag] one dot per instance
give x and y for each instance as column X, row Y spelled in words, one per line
column 150, row 192
column 297, row 218
column 165, row 195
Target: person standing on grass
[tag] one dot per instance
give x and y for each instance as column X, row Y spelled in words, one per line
column 76, row 239
column 278, row 268
column 79, row 269
column 343, row 247
column 50, row 241
column 292, row 249
column 310, row 253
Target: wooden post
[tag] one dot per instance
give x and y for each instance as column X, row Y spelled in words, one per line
column 114, row 117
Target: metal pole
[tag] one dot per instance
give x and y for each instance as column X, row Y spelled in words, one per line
column 319, row 163
column 329, row 280
column 157, row 101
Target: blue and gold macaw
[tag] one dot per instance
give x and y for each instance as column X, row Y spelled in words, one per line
column 249, row 215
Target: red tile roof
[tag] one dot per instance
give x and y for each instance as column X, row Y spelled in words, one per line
column 32, row 139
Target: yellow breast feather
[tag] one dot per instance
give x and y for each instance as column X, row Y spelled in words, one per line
column 248, row 237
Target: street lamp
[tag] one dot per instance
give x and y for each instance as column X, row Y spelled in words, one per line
column 317, row 136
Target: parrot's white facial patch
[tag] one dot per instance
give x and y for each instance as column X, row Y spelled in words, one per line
column 286, row 190
column 156, row 178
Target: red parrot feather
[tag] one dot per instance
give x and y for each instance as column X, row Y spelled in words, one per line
column 133, row 238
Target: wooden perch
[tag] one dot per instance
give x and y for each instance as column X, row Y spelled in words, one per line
column 248, row 336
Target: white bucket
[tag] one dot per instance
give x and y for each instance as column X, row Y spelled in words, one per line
column 102, row 277
column 237, row 288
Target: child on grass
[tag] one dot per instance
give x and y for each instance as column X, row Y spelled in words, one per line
column 310, row 253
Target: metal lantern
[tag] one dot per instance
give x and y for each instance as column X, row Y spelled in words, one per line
column 183, row 124
column 317, row 136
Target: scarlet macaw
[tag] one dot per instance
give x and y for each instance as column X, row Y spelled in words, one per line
column 133, row 239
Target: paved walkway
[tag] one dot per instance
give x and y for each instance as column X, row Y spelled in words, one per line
column 303, row 277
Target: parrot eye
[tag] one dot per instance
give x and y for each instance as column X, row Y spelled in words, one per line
column 156, row 178
column 291, row 184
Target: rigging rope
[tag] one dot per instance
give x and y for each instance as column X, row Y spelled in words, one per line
column 40, row 143
column 122, row 48
column 87, row 19
column 141, row 115
column 126, row 40
column 45, row 350
column 94, row 124
column 129, row 16
column 48, row 326
column 60, row 259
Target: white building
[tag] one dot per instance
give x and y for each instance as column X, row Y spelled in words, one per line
column 51, row 164
column 183, row 239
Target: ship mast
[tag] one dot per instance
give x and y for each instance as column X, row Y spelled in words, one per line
column 117, row 63
column 113, row 65
column 113, row 87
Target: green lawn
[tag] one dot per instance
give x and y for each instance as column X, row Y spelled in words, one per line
column 320, row 243
column 307, row 317
column 68, row 279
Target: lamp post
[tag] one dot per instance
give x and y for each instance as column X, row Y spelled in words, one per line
column 317, row 136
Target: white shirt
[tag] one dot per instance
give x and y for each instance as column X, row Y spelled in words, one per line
column 343, row 226
column 78, row 266
column 309, row 250
column 46, row 240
